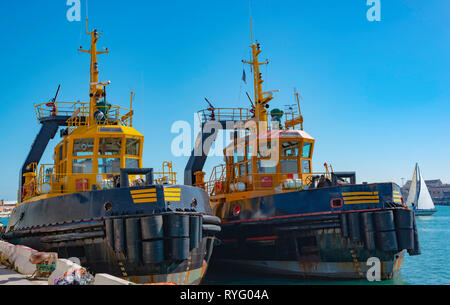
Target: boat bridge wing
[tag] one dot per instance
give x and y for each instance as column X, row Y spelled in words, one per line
column 213, row 120
column 51, row 116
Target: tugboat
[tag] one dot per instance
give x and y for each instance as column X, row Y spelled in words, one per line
column 98, row 204
column 281, row 218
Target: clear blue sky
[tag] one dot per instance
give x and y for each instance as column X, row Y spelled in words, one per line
column 376, row 95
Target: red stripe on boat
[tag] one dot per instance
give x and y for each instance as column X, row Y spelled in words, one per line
column 262, row 238
column 298, row 215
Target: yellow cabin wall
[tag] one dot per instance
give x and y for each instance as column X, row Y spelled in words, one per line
column 66, row 180
column 251, row 178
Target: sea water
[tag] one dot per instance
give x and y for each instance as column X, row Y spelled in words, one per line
column 432, row 267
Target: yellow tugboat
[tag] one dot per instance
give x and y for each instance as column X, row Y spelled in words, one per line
column 97, row 203
column 278, row 216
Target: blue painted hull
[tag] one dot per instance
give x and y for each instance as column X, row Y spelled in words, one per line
column 110, row 232
column 309, row 234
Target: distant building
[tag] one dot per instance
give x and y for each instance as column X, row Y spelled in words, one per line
column 7, row 206
column 440, row 192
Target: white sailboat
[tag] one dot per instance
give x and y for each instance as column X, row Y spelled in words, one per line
column 419, row 198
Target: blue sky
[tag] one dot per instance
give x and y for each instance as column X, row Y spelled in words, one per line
column 375, row 94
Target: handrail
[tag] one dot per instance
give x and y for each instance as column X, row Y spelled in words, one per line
column 164, row 178
column 46, row 181
column 50, row 109
column 78, row 112
column 168, row 176
column 289, row 119
column 259, row 181
column 224, row 114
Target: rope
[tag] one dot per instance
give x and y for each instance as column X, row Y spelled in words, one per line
column 122, row 269
column 356, row 262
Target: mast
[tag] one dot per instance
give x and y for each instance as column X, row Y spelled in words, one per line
column 97, row 90
column 413, row 189
column 424, row 200
column 260, row 100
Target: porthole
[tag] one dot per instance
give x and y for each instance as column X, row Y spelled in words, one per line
column 337, row 203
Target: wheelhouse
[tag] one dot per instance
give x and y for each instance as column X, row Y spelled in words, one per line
column 95, row 155
column 279, row 158
column 98, row 140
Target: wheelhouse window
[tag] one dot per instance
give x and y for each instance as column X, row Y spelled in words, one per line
column 289, row 166
column 83, row 147
column 306, row 150
column 249, row 167
column 242, row 169
column 306, row 167
column 238, row 155
column 290, row 149
column 82, row 166
column 235, row 171
column 61, row 150
column 132, row 147
column 108, row 165
column 268, row 149
column 110, row 146
column 267, row 167
column 131, row 163
column 249, row 151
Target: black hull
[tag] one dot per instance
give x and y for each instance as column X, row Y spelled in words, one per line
column 149, row 244
column 315, row 240
column 309, row 253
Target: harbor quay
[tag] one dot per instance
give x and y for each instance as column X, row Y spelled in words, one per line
column 20, row 265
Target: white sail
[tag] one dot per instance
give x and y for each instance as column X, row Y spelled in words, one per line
column 412, row 195
column 424, row 202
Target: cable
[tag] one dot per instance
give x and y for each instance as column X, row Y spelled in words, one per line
column 87, row 8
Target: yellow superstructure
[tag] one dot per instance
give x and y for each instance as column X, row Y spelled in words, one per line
column 99, row 140
column 272, row 156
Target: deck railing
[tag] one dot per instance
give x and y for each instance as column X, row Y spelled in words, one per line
column 78, row 114
column 288, row 119
column 224, row 114
column 260, row 182
column 50, row 109
column 46, row 181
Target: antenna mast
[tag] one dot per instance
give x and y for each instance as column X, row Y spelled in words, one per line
column 260, row 100
column 97, row 90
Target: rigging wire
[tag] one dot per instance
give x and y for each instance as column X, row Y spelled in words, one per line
column 82, row 25
column 87, row 9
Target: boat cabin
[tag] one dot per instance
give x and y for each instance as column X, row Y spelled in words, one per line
column 98, row 140
column 93, row 155
column 283, row 160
